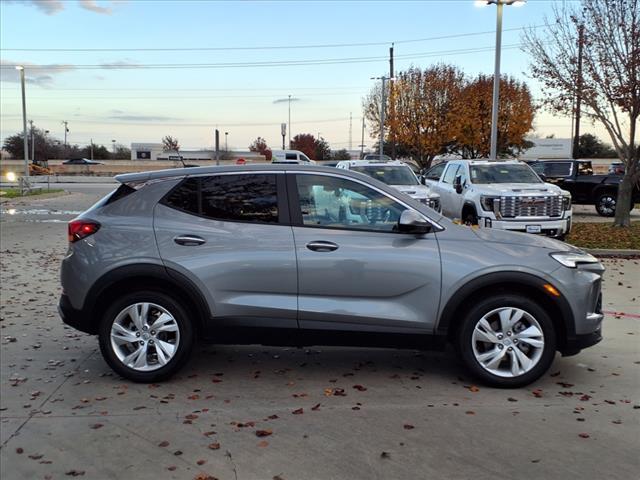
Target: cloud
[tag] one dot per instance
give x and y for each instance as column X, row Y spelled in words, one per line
column 49, row 7
column 142, row 118
column 41, row 75
column 91, row 5
column 286, row 100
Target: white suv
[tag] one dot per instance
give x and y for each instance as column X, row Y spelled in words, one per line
column 507, row 195
column 396, row 174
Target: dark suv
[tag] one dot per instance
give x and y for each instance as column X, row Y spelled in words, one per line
column 301, row 255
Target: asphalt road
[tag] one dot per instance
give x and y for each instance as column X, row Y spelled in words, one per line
column 403, row 414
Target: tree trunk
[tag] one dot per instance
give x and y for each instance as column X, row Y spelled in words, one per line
column 623, row 202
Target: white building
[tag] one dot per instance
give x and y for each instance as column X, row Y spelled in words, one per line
column 155, row 151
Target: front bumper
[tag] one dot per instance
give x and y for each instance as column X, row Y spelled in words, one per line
column 542, row 226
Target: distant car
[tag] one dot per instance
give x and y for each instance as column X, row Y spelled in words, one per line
column 616, row 168
column 396, row 174
column 377, row 157
column 290, row 157
column 331, row 163
column 81, row 161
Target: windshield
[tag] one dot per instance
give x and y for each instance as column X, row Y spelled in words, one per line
column 389, row 175
column 512, row 173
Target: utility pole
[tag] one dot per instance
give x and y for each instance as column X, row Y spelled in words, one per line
column 350, row 130
column 391, row 105
column 496, row 86
column 289, row 121
column 576, row 135
column 24, row 125
column 362, row 140
column 33, row 149
column 66, row 130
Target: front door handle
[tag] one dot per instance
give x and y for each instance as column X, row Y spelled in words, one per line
column 322, row 246
column 189, row 240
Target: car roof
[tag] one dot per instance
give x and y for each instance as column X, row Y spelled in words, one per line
column 486, row 161
column 365, row 163
column 255, row 167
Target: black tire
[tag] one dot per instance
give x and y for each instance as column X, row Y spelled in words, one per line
column 469, row 217
column 606, row 204
column 184, row 327
column 546, row 354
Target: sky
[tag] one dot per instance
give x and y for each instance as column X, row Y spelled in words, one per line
column 136, row 70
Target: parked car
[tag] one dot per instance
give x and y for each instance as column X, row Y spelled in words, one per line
column 396, row 174
column 290, row 157
column 376, row 157
column 304, row 255
column 576, row 177
column 506, row 195
column 616, row 168
column 81, row 161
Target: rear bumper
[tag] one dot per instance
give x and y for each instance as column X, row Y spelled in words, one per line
column 74, row 318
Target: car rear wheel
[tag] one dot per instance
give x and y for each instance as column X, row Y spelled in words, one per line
column 146, row 336
column 507, row 341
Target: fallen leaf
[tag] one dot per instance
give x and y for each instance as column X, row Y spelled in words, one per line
column 299, row 411
column 360, row 388
column 96, row 426
column 316, row 407
column 263, row 444
column 163, row 443
column 583, row 435
column 75, row 473
column 263, row 433
column 201, row 462
column 214, row 446
column 408, row 426
column 385, row 455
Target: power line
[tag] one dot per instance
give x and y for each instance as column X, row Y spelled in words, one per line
column 270, row 47
column 283, row 63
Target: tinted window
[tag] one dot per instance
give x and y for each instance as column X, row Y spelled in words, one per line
column 450, row 173
column 246, row 198
column 291, row 156
column 340, row 203
column 557, row 169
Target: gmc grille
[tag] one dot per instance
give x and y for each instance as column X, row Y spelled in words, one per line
column 538, row 206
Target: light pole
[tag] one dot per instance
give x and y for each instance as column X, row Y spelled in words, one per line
column 226, row 146
column 289, row 121
column 24, row 123
column 382, row 105
column 493, row 155
column 113, row 144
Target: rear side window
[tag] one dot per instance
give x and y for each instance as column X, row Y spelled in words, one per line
column 241, row 198
column 291, row 156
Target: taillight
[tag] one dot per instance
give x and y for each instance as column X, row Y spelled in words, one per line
column 79, row 229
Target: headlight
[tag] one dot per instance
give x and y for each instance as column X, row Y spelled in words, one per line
column 487, row 202
column 566, row 202
column 572, row 259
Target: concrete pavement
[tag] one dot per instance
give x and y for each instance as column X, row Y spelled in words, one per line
column 402, row 415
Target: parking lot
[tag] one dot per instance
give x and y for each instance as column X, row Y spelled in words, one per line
column 285, row 413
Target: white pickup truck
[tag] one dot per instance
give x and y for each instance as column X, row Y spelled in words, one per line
column 507, row 195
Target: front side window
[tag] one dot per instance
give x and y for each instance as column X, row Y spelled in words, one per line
column 436, row 172
column 450, row 174
column 341, row 203
column 243, row 198
column 391, row 175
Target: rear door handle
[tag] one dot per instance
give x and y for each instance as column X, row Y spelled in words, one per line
column 189, row 240
column 322, row 246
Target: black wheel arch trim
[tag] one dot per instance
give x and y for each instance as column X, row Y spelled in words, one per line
column 514, row 279
column 171, row 281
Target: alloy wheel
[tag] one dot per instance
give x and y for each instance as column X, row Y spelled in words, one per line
column 508, row 342
column 145, row 336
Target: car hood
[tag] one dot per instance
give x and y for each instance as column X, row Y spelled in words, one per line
column 416, row 191
column 491, row 236
column 524, row 189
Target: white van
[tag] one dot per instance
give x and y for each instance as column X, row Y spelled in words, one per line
column 290, row 156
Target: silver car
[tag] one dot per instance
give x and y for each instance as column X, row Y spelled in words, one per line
column 302, row 255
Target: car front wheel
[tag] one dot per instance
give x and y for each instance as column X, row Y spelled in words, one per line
column 507, row 341
column 146, row 336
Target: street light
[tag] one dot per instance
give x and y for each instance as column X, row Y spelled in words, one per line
column 382, row 104
column 493, row 155
column 289, row 121
column 226, row 148
column 24, row 123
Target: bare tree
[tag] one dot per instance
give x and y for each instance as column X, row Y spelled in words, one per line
column 170, row 144
column 610, row 79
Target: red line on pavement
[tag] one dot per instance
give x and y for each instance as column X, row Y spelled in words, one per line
column 621, row 314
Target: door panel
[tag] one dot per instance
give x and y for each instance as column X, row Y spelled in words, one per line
column 248, row 269
column 373, row 280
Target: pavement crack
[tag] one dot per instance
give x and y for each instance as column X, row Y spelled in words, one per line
column 233, row 464
column 44, row 402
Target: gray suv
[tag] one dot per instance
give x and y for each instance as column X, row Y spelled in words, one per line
column 303, row 255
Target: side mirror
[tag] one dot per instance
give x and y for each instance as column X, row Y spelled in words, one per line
column 457, row 183
column 422, row 179
column 412, row 222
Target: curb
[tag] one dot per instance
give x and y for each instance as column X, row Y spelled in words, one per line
column 612, row 253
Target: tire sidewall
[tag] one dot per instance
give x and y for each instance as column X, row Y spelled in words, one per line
column 178, row 312
column 475, row 313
